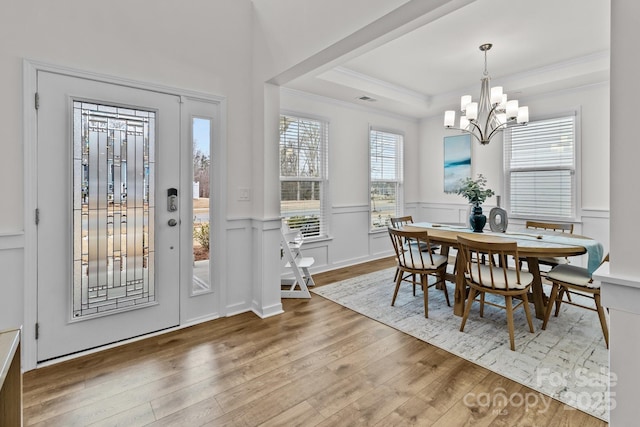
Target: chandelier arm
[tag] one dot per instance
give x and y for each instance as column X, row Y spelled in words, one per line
column 479, row 129
column 466, row 131
column 473, row 122
column 500, row 128
column 474, row 135
column 489, row 119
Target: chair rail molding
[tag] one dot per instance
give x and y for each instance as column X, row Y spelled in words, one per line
column 12, row 241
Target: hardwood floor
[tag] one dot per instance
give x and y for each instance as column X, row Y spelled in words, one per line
column 318, row 364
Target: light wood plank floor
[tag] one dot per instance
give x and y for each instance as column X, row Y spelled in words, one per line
column 318, row 364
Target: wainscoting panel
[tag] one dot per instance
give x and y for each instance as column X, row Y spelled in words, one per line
column 443, row 213
column 595, row 224
column 350, row 236
column 239, row 267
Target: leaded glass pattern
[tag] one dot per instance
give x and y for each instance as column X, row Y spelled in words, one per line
column 113, row 208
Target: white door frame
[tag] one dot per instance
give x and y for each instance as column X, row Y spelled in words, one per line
column 30, row 138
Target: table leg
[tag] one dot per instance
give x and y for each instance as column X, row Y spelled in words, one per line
column 461, row 292
column 539, row 300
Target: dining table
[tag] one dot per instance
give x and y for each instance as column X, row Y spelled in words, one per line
column 532, row 245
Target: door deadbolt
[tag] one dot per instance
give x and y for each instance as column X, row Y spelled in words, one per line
column 172, row 199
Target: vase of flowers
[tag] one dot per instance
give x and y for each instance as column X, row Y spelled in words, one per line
column 475, row 191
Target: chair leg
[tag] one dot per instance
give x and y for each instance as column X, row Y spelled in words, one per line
column 395, row 293
column 552, row 299
column 603, row 320
column 424, row 279
column 509, row 304
column 482, row 304
column 413, row 279
column 467, row 309
column 441, row 275
column 561, row 293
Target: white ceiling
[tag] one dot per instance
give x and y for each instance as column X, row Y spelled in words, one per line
column 538, row 46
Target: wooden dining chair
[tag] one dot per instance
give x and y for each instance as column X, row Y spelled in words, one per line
column 413, row 262
column 399, row 222
column 495, row 278
column 563, row 227
column 571, row 279
column 553, row 226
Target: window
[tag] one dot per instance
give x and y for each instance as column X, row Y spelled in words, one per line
column 385, row 165
column 540, row 169
column 303, row 174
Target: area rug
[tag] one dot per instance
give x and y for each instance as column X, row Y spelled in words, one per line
column 568, row 361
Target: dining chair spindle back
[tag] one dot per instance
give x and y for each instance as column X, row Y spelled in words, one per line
column 414, row 261
column 495, row 278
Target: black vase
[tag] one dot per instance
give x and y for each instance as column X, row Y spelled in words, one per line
column 477, row 220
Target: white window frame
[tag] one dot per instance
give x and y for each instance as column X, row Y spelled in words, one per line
column 399, row 184
column 574, row 216
column 322, row 179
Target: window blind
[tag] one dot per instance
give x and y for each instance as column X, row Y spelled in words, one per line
column 385, row 152
column 303, row 157
column 540, row 162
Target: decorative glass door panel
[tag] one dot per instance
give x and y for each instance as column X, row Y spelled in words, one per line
column 108, row 256
column 113, row 161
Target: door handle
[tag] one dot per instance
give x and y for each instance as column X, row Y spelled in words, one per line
column 172, row 222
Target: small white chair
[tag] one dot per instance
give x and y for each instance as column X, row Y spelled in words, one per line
column 290, row 243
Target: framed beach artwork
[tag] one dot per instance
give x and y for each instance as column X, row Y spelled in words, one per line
column 457, row 161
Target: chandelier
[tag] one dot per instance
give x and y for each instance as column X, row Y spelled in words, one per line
column 491, row 115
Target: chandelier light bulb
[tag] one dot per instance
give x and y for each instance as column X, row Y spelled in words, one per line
column 512, row 109
column 449, row 118
column 523, row 115
column 464, row 122
column 464, row 101
column 472, row 111
column 496, row 95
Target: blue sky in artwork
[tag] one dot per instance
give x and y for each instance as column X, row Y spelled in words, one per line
column 457, row 161
column 457, row 150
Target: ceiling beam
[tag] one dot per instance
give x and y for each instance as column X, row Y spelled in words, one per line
column 404, row 19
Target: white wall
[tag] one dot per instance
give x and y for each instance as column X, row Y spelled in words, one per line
column 178, row 44
column 350, row 241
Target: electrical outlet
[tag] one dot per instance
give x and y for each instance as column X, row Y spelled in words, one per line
column 244, row 194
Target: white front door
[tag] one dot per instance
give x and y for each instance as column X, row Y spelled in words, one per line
column 108, row 159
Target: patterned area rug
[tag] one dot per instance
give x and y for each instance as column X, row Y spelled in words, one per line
column 568, row 361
